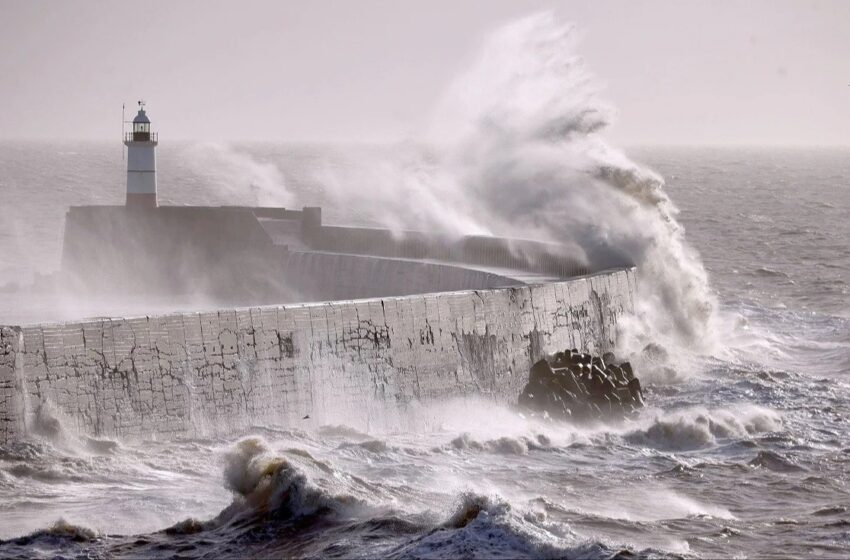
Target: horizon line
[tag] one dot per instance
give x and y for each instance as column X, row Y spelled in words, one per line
column 395, row 142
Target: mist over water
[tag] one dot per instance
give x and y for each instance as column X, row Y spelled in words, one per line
column 743, row 449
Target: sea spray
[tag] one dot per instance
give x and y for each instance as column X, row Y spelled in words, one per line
column 264, row 482
column 531, row 155
column 238, row 176
column 516, row 152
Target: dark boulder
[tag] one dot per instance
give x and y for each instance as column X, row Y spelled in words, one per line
column 573, row 386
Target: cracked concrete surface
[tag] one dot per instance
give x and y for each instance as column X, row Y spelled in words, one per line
column 355, row 362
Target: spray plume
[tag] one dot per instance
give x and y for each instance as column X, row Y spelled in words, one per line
column 517, row 153
column 515, row 150
column 235, row 175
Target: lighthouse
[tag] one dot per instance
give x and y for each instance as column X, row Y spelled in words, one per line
column 141, row 162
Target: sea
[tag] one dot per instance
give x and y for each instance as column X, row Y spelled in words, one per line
column 743, row 451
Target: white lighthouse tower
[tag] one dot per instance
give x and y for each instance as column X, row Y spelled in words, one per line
column 141, row 162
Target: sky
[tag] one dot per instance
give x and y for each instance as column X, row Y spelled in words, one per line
column 690, row 72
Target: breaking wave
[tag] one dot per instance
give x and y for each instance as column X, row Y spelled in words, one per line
column 697, row 428
column 273, row 495
column 484, row 527
column 505, row 445
column 775, row 462
column 264, row 482
column 517, row 152
column 61, row 539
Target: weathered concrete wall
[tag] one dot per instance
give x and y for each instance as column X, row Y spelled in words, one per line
column 341, row 361
column 542, row 258
column 11, row 390
column 316, row 276
column 160, row 250
column 121, row 250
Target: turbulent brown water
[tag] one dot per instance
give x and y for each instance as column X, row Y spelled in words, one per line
column 745, row 451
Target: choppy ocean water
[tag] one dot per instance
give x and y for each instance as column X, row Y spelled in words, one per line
column 744, row 453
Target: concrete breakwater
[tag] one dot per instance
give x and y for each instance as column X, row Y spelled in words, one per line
column 342, row 361
column 291, row 254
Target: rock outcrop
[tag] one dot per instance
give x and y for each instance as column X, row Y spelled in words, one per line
column 574, row 386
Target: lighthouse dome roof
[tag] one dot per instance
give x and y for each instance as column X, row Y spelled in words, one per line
column 141, row 117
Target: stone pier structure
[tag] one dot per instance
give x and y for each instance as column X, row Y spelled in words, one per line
column 189, row 374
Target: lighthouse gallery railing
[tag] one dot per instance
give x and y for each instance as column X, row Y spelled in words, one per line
column 141, row 137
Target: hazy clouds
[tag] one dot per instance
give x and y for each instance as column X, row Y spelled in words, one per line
column 755, row 72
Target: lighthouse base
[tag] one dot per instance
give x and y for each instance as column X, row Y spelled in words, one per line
column 141, row 200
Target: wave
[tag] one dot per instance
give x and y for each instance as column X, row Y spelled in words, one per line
column 287, row 502
column 485, row 527
column 342, row 431
column 516, row 151
column 375, row 446
column 697, row 428
column 38, row 461
column 57, row 536
column 813, row 344
column 273, row 496
column 830, row 510
column 265, row 483
column 505, row 445
column 769, row 272
column 775, row 462
column 49, row 473
column 64, row 530
column 24, row 450
column 49, row 424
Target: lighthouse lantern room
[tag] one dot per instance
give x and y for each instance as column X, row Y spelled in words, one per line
column 141, row 162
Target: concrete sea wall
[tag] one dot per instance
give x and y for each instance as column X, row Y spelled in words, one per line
column 342, row 361
column 128, row 250
column 316, row 276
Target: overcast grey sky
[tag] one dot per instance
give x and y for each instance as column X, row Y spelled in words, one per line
column 679, row 72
